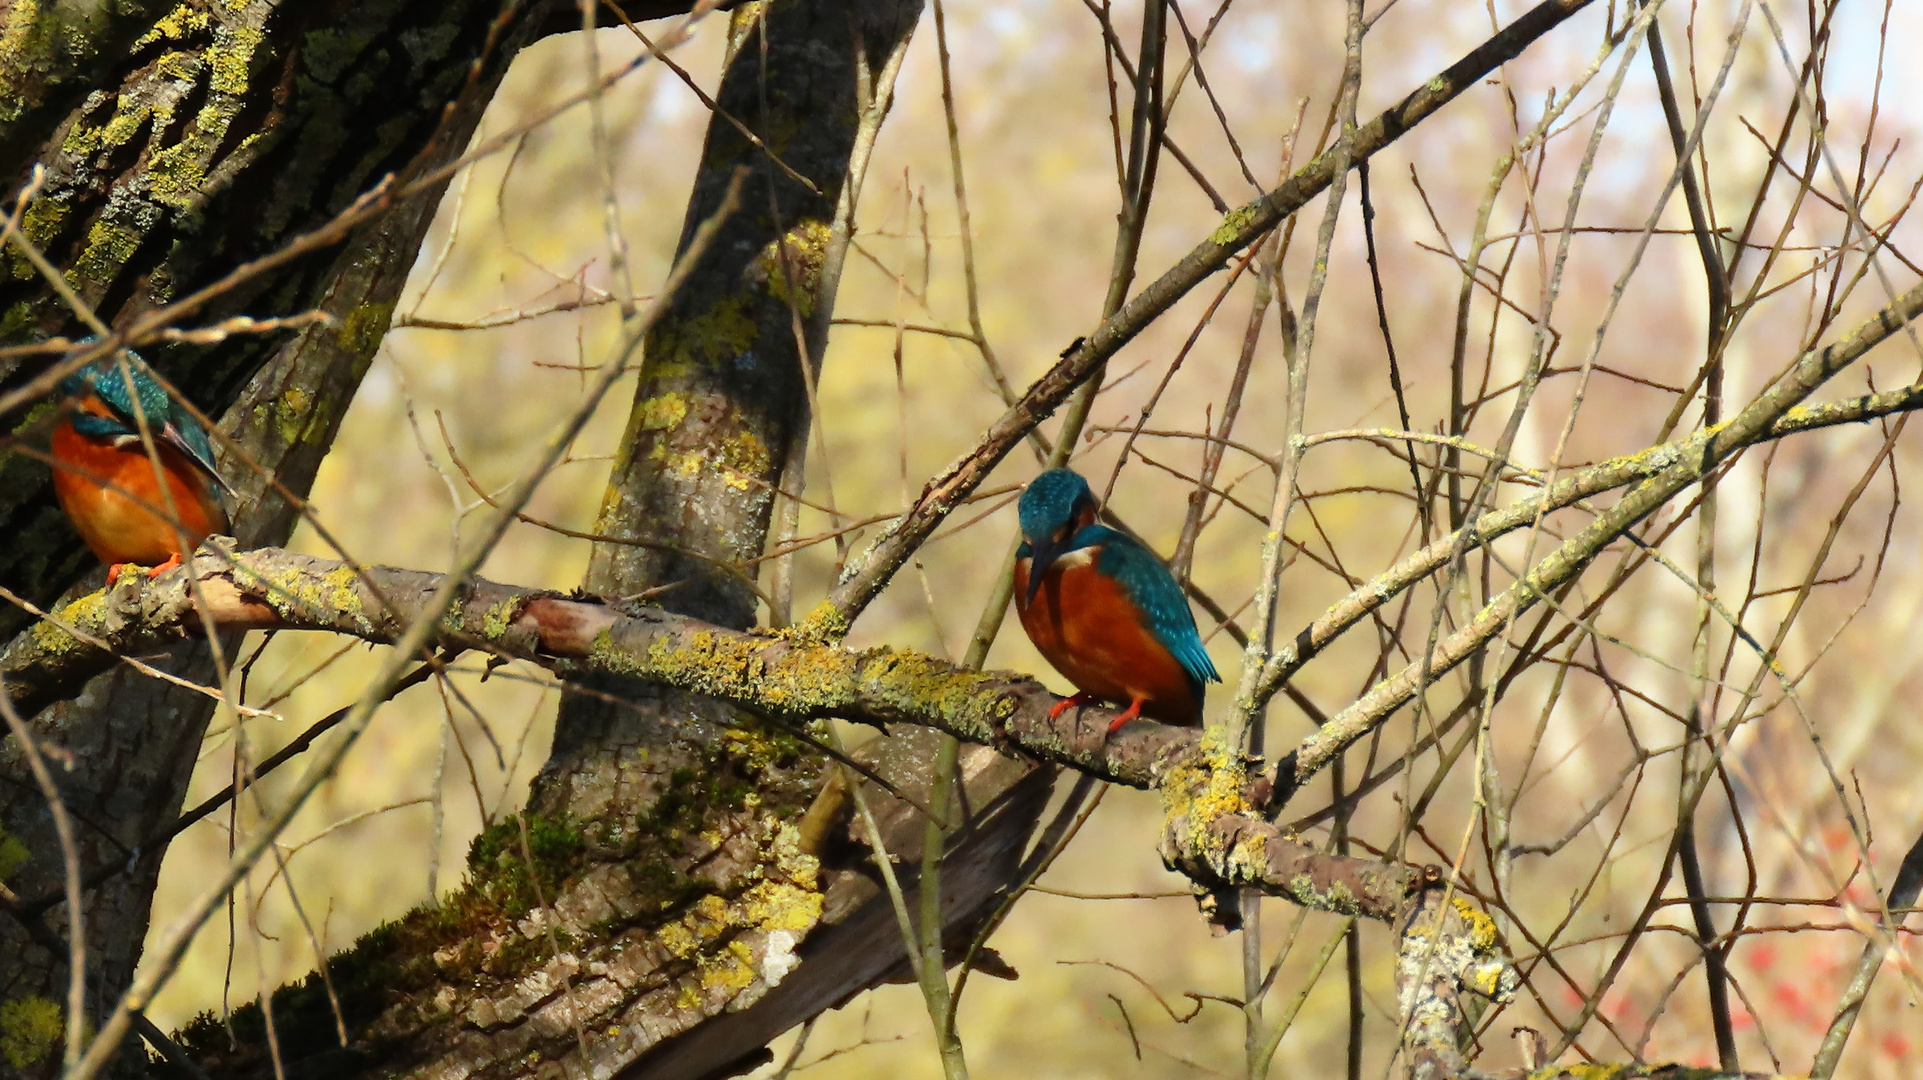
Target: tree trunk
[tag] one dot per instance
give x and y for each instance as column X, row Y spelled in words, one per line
column 175, row 150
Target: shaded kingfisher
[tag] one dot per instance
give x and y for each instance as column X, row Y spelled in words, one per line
column 1104, row 610
column 107, row 483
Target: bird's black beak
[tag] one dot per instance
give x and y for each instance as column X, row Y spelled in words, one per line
column 1040, row 554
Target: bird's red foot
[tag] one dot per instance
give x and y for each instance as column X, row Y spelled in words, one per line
column 1073, row 701
column 113, row 572
column 1134, row 710
column 172, row 562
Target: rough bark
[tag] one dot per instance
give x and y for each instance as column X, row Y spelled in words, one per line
column 180, row 142
column 132, row 740
column 666, row 883
column 212, row 138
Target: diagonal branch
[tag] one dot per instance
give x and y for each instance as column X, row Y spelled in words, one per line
column 1690, row 461
column 869, row 573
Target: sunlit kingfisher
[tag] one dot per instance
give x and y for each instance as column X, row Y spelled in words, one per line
column 1104, row 610
column 107, row 483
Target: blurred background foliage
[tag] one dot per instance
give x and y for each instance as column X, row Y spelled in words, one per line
column 446, row 411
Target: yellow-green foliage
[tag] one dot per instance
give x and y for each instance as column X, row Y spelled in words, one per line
column 29, row 1027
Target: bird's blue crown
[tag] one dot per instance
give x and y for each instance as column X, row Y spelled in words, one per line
column 1051, row 501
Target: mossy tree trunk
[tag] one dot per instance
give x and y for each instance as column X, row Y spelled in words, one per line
column 178, row 142
column 665, row 854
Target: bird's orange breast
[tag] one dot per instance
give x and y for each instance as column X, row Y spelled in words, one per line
column 115, row 499
column 1086, row 625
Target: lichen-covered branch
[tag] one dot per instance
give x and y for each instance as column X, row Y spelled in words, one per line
column 1216, row 831
column 187, row 140
column 1684, row 464
column 1574, row 487
column 778, row 675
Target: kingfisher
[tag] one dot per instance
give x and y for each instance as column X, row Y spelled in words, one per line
column 107, row 483
column 1103, row 609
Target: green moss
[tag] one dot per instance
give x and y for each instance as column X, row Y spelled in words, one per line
column 365, row 326
column 291, row 408
column 327, row 52
column 427, row 44
column 1230, row 231
column 13, row 855
column 29, row 1028
column 499, row 870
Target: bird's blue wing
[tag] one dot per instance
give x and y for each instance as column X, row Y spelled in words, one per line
column 1157, row 593
column 165, row 417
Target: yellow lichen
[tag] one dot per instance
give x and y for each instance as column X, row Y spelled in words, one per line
column 42, row 220
column 109, row 246
column 792, row 264
column 26, row 47
column 83, row 613
column 497, row 619
column 825, row 624
column 662, row 412
column 175, row 176
column 176, row 25
column 230, row 56
column 1481, row 928
column 723, row 332
column 744, row 459
column 734, row 666
column 295, row 593
column 291, row 409
column 1198, row 793
column 29, row 1028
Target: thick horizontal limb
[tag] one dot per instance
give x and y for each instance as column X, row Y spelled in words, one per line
column 776, row 675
